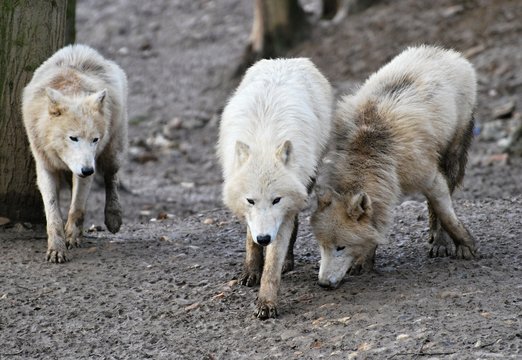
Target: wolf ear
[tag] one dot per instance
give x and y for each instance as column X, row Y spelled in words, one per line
column 242, row 152
column 284, row 151
column 324, row 197
column 359, row 205
column 56, row 101
column 97, row 99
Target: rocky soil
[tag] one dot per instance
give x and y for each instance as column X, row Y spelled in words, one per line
column 165, row 287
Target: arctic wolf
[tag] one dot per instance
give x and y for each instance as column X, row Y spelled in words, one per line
column 272, row 136
column 75, row 114
column 407, row 129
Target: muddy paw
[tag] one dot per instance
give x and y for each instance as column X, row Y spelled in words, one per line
column 441, row 244
column 356, row 269
column 57, row 256
column 73, row 242
column 362, row 265
column 249, row 278
column 465, row 252
column 265, row 310
column 113, row 217
column 438, row 250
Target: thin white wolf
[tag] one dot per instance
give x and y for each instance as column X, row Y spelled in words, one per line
column 407, row 129
column 75, row 115
column 272, row 136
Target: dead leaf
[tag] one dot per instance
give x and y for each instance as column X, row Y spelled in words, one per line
column 192, row 307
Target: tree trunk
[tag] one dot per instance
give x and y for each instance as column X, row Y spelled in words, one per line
column 30, row 32
column 70, row 31
column 278, row 24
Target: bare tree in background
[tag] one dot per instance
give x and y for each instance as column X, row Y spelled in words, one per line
column 30, row 32
column 280, row 24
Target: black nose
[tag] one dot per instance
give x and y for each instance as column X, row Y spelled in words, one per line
column 263, row 239
column 86, row 171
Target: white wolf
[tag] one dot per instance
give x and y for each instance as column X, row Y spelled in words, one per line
column 272, row 136
column 408, row 129
column 75, row 114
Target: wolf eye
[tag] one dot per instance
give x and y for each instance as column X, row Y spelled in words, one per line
column 276, row 200
column 73, row 138
column 340, row 248
column 251, row 202
column 95, row 140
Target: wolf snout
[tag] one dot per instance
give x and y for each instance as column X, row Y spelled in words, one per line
column 327, row 284
column 263, row 239
column 87, row 171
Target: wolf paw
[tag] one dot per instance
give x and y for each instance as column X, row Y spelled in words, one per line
column 57, row 256
column 465, row 252
column 442, row 251
column 113, row 219
column 442, row 245
column 249, row 278
column 73, row 242
column 265, row 310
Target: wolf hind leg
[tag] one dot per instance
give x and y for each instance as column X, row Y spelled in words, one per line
column 289, row 259
column 113, row 210
column 253, row 266
column 74, row 226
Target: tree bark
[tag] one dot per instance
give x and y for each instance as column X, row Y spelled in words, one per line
column 30, row 32
column 278, row 25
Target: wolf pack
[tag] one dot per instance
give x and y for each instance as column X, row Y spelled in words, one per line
column 283, row 141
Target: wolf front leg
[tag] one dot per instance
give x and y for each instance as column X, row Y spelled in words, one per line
column 440, row 199
column 253, row 262
column 113, row 211
column 266, row 306
column 73, row 229
column 48, row 183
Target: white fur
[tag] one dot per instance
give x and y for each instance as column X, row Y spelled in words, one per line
column 423, row 117
column 75, row 114
column 273, row 134
column 278, row 100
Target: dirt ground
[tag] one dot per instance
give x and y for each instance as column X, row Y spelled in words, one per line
column 164, row 287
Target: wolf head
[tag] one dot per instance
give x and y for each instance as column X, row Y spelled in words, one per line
column 77, row 129
column 264, row 190
column 343, row 227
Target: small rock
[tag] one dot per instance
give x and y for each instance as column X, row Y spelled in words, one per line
column 123, row 51
column 209, row 221
column 187, row 185
column 402, row 337
column 165, row 238
column 232, row 283
column 505, row 110
column 452, row 11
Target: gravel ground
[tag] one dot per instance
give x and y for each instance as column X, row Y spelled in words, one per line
column 165, row 287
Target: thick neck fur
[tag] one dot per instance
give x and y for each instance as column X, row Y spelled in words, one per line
column 363, row 161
